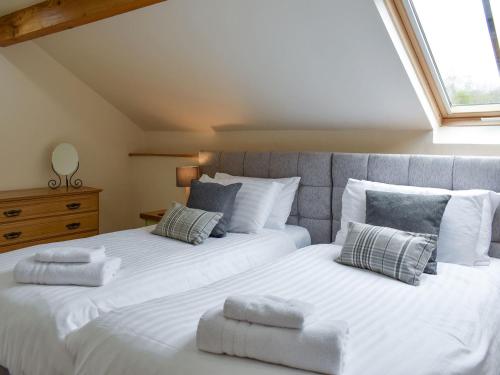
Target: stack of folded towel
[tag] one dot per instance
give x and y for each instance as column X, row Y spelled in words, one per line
column 274, row 330
column 68, row 266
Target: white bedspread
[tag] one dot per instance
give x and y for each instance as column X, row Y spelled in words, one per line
column 34, row 320
column 447, row 325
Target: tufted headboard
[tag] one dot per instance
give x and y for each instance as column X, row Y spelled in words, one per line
column 318, row 203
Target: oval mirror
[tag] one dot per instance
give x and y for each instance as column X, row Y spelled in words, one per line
column 65, row 159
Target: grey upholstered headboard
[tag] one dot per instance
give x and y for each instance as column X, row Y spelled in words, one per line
column 318, row 203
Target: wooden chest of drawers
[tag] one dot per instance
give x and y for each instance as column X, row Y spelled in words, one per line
column 35, row 216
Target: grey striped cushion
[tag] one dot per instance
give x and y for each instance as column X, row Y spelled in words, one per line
column 187, row 224
column 394, row 253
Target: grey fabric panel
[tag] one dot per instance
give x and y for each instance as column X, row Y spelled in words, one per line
column 295, row 205
column 416, row 170
column 320, row 230
column 495, row 249
column 479, row 173
column 315, row 168
column 337, row 202
column 346, row 166
column 232, row 163
column 284, row 164
column 257, row 164
column 209, row 162
column 431, row 171
column 293, row 220
column 476, row 173
column 496, row 227
column 314, row 190
column 315, row 202
column 390, row 169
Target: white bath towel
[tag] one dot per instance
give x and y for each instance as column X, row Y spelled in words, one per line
column 72, row 254
column 269, row 310
column 29, row 271
column 319, row 347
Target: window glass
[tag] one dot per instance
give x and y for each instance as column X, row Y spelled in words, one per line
column 462, row 47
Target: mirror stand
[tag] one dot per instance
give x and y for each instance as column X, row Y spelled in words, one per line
column 76, row 183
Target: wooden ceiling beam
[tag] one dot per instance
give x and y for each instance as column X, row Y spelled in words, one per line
column 52, row 16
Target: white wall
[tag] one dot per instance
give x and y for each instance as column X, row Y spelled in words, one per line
column 354, row 140
column 43, row 104
column 153, row 182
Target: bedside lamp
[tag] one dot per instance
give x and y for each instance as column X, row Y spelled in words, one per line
column 184, row 176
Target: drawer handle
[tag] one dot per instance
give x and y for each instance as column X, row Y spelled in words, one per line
column 12, row 213
column 12, row 235
column 73, row 206
column 73, row 226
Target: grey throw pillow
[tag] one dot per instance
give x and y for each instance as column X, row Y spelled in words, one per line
column 415, row 213
column 214, row 198
column 187, row 224
column 391, row 252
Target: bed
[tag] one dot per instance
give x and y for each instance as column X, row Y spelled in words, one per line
column 394, row 328
column 35, row 319
column 449, row 324
column 318, row 209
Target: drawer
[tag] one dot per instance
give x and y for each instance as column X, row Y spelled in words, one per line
column 43, row 207
column 72, row 236
column 32, row 230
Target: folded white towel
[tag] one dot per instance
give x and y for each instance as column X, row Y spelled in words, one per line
column 29, row 271
column 319, row 347
column 269, row 310
column 70, row 254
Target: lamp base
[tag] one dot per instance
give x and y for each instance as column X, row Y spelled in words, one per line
column 187, row 191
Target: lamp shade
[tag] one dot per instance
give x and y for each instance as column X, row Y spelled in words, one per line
column 186, row 174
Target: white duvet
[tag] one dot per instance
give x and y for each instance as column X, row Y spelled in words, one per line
column 35, row 319
column 447, row 325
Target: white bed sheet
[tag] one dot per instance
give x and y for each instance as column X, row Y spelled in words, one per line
column 34, row 319
column 299, row 235
column 447, row 325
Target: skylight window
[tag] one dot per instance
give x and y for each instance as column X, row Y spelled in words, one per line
column 456, row 44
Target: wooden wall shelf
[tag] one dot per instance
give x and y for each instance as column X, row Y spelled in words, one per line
column 163, row 155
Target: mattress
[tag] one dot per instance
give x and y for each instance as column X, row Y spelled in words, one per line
column 34, row 319
column 447, row 325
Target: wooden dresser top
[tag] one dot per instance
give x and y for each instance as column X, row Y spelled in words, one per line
column 12, row 195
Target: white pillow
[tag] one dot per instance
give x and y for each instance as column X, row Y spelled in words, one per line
column 253, row 204
column 466, row 226
column 283, row 205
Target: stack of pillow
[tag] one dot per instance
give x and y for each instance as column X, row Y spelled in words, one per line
column 229, row 203
column 403, row 231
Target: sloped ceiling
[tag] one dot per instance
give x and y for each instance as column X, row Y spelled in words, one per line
column 245, row 64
